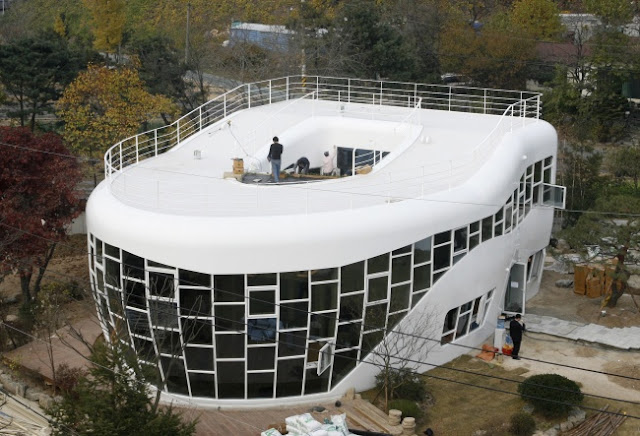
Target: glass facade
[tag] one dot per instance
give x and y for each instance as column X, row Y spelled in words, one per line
column 258, row 335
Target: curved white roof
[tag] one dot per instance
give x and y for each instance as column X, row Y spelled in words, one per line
column 430, row 151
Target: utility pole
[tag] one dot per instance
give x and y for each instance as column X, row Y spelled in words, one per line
column 186, row 42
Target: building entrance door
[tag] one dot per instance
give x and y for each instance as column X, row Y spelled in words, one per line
column 514, row 296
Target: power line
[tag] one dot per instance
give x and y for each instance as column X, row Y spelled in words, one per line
column 248, row 298
column 382, row 366
column 193, row 313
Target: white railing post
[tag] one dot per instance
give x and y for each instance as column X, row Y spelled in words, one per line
column 415, row 92
column 317, row 84
column 224, row 103
column 348, row 90
column 137, row 152
column 178, row 131
column 287, row 89
column 485, row 102
column 270, row 91
column 449, row 98
column 155, row 141
column 538, row 107
column 381, row 92
column 339, row 96
column 521, row 98
column 524, row 110
column 120, row 152
column 200, row 118
column 353, row 162
column 249, row 95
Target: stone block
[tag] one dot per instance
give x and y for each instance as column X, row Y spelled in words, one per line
column 45, row 401
column 32, row 394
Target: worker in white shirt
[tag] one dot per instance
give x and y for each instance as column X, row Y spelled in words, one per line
column 327, row 162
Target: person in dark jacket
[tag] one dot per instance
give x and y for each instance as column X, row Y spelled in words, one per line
column 302, row 166
column 516, row 327
column 275, row 157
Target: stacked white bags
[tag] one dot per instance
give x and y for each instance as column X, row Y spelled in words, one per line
column 305, row 425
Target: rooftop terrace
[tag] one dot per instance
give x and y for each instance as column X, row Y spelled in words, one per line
column 436, row 138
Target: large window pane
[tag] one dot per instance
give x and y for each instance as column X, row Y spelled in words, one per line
column 294, row 285
column 138, row 322
column 375, row 317
column 231, row 379
column 260, row 385
column 460, row 239
column 192, row 278
column 294, row 314
column 197, row 331
column 352, row 277
column 370, row 341
column 320, row 275
column 289, row 377
column 134, row 294
column 400, row 296
column 203, row 385
column 422, row 277
column 161, row 284
column 487, row 228
column 112, row 251
column 175, row 375
column 378, row 288
column 163, row 314
column 323, row 325
column 378, row 264
column 195, row 302
column 442, row 257
column 315, row 383
column 324, row 297
column 351, row 307
column 112, row 271
column 199, row 358
column 262, row 330
column 422, row 251
column 132, row 265
column 343, row 363
column 229, row 288
column 348, row 335
column 262, row 279
column 261, row 358
column 401, row 269
column 230, row 346
column 168, row 342
column 292, row 343
column 262, row 302
column 230, row 317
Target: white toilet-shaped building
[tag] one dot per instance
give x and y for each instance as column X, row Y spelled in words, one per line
column 243, row 291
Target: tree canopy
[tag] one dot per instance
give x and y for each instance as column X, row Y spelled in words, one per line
column 105, row 105
column 38, row 199
column 34, row 70
column 113, row 400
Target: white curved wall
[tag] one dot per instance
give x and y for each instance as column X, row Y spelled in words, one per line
column 268, row 244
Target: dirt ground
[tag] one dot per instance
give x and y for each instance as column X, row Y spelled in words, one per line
column 563, row 303
column 68, row 264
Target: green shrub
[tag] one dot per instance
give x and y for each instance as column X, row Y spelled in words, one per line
column 407, row 407
column 551, row 394
column 402, row 383
column 522, row 424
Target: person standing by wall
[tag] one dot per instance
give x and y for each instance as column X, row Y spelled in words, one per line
column 516, row 327
column 275, row 157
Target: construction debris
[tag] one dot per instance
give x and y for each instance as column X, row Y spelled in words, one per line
column 600, row 424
